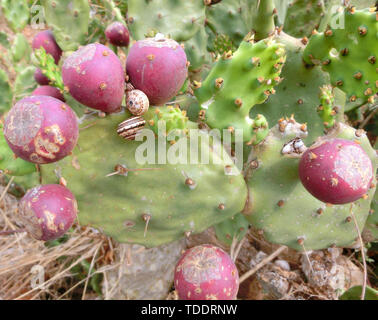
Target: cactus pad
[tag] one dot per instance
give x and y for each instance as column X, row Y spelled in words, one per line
column 349, row 54
column 239, row 81
column 69, row 20
column 285, row 212
column 179, row 20
column 153, row 205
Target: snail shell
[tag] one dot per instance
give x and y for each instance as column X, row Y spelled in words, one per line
column 137, row 102
column 130, row 128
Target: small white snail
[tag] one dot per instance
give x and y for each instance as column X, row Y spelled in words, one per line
column 137, row 102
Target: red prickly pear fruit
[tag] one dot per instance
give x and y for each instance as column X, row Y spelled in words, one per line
column 48, row 91
column 336, row 171
column 117, row 34
column 158, row 67
column 48, row 211
column 206, row 272
column 41, row 129
column 46, row 40
column 94, row 76
column 40, row 78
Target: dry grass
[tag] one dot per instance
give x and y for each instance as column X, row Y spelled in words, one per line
column 31, row 270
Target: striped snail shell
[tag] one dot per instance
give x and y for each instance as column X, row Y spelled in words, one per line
column 137, row 102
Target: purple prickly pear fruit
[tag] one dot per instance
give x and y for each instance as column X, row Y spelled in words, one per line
column 158, row 67
column 48, row 91
column 117, row 34
column 336, row 171
column 46, row 40
column 206, row 272
column 40, row 78
column 95, row 77
column 41, row 129
column 48, row 211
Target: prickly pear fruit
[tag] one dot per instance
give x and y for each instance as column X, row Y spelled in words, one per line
column 41, row 129
column 158, row 67
column 40, row 78
column 95, row 77
column 117, row 34
column 48, row 91
column 206, row 272
column 46, row 40
column 336, row 171
column 48, row 211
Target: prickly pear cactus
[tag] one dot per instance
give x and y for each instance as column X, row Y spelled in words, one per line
column 225, row 25
column 238, row 82
column 303, row 17
column 349, row 54
column 179, row 20
column 16, row 13
column 141, row 205
column 6, row 92
column 326, row 108
column 20, row 49
column 9, row 164
column 298, row 93
column 173, row 119
column 234, row 228
column 285, row 212
column 69, row 20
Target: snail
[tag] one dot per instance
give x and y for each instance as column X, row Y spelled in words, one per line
column 137, row 102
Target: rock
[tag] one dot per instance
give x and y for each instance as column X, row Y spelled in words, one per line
column 144, row 274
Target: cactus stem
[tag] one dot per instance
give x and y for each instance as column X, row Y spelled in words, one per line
column 263, row 20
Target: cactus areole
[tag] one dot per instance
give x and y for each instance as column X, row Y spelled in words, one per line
column 158, row 67
column 41, row 129
column 336, row 171
column 48, row 211
column 206, row 272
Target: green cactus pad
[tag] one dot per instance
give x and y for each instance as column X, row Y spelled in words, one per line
column 238, row 82
column 20, row 49
column 16, row 13
column 235, row 227
column 6, row 92
column 198, row 56
column 69, row 20
column 24, row 83
column 46, row 63
column 174, row 118
column 121, row 205
column 325, row 109
column 298, row 93
column 303, row 16
column 225, row 25
column 179, row 20
column 285, row 212
column 9, row 164
column 349, row 54
column 371, row 227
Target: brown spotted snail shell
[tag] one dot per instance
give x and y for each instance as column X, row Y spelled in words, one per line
column 137, row 102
